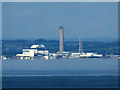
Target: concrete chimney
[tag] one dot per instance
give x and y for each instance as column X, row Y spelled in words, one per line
column 61, row 39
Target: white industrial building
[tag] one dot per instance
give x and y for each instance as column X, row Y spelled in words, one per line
column 32, row 52
column 75, row 55
column 85, row 55
column 27, row 54
column 45, row 52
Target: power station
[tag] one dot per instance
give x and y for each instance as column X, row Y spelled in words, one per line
column 39, row 51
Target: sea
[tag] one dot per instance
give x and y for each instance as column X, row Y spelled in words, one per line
column 60, row 73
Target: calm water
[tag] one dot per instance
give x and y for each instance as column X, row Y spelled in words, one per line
column 69, row 73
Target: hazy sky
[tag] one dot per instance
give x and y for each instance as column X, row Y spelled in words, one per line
column 42, row 20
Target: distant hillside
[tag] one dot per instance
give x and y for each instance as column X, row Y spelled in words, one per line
column 12, row 47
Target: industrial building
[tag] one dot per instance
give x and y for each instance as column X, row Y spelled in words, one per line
column 39, row 51
column 35, row 50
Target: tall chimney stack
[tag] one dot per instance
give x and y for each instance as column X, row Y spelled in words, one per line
column 61, row 40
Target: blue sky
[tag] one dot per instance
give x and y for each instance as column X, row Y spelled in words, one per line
column 42, row 20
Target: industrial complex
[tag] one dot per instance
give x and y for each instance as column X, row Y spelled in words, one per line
column 40, row 52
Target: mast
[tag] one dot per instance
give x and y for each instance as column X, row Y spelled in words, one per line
column 80, row 46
